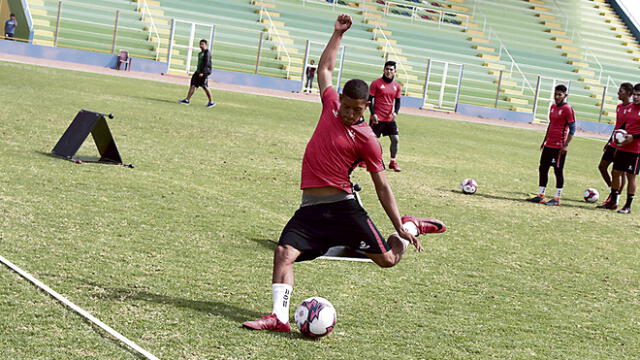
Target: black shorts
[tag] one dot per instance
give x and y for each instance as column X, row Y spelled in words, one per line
column 199, row 81
column 316, row 228
column 552, row 157
column 384, row 128
column 608, row 154
column 627, row 162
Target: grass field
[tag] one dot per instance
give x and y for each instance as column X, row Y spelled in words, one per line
column 177, row 252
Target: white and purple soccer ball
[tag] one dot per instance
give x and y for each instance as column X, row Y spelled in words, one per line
column 619, row 136
column 469, row 186
column 315, row 317
column 591, row 195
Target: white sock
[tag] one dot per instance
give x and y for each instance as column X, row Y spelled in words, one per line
column 281, row 298
column 393, row 159
column 558, row 193
column 542, row 190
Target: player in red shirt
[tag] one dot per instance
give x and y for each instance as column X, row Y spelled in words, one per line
column 384, row 95
column 329, row 214
column 624, row 95
column 562, row 126
column 627, row 158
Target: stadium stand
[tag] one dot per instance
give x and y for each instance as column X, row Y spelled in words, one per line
column 504, row 47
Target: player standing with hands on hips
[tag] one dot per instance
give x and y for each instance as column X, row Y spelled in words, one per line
column 329, row 214
column 562, row 127
column 384, row 95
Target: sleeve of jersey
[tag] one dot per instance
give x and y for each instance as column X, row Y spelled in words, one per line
column 372, row 89
column 371, row 153
column 330, row 95
column 571, row 115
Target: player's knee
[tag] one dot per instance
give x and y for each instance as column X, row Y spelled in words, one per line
column 285, row 254
column 603, row 166
column 394, row 139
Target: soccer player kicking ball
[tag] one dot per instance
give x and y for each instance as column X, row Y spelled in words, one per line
column 562, row 127
column 624, row 95
column 330, row 215
column 627, row 158
column 384, row 95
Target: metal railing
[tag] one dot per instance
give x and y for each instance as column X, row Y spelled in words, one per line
column 388, row 49
column 143, row 9
column 274, row 30
column 414, row 14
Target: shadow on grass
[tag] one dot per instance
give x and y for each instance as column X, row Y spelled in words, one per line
column 83, row 158
column 175, row 102
column 266, row 243
column 520, row 197
column 218, row 308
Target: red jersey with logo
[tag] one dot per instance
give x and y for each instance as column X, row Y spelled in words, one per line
column 334, row 148
column 385, row 95
column 621, row 110
column 559, row 118
column 632, row 125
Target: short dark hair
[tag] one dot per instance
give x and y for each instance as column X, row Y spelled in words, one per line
column 636, row 87
column 628, row 87
column 12, row 14
column 356, row 89
column 561, row 88
column 204, row 41
column 390, row 63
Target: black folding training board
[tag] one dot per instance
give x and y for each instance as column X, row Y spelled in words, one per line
column 84, row 123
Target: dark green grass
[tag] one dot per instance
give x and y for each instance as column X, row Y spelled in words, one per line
column 177, row 252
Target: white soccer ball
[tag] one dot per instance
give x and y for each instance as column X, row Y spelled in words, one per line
column 315, row 317
column 469, row 186
column 619, row 135
column 591, row 195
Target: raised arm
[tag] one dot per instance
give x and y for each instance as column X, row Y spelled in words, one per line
column 388, row 202
column 328, row 59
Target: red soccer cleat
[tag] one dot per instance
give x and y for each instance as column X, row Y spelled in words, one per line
column 268, row 322
column 426, row 225
column 394, row 166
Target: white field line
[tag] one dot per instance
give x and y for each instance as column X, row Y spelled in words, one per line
column 78, row 310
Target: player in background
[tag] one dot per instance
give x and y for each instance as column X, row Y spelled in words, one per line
column 310, row 73
column 624, row 95
column 201, row 76
column 562, row 127
column 627, row 157
column 384, row 95
column 329, row 214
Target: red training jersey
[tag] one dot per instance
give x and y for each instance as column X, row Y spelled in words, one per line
column 631, row 120
column 621, row 110
column 335, row 149
column 559, row 118
column 385, row 95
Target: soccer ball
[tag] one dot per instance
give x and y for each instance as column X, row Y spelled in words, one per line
column 619, row 135
column 315, row 317
column 469, row 186
column 591, row 195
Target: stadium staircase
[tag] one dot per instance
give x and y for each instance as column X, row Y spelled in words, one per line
column 510, row 43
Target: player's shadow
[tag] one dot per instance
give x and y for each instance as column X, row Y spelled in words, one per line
column 159, row 100
column 265, row 243
column 519, row 197
column 217, row 308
